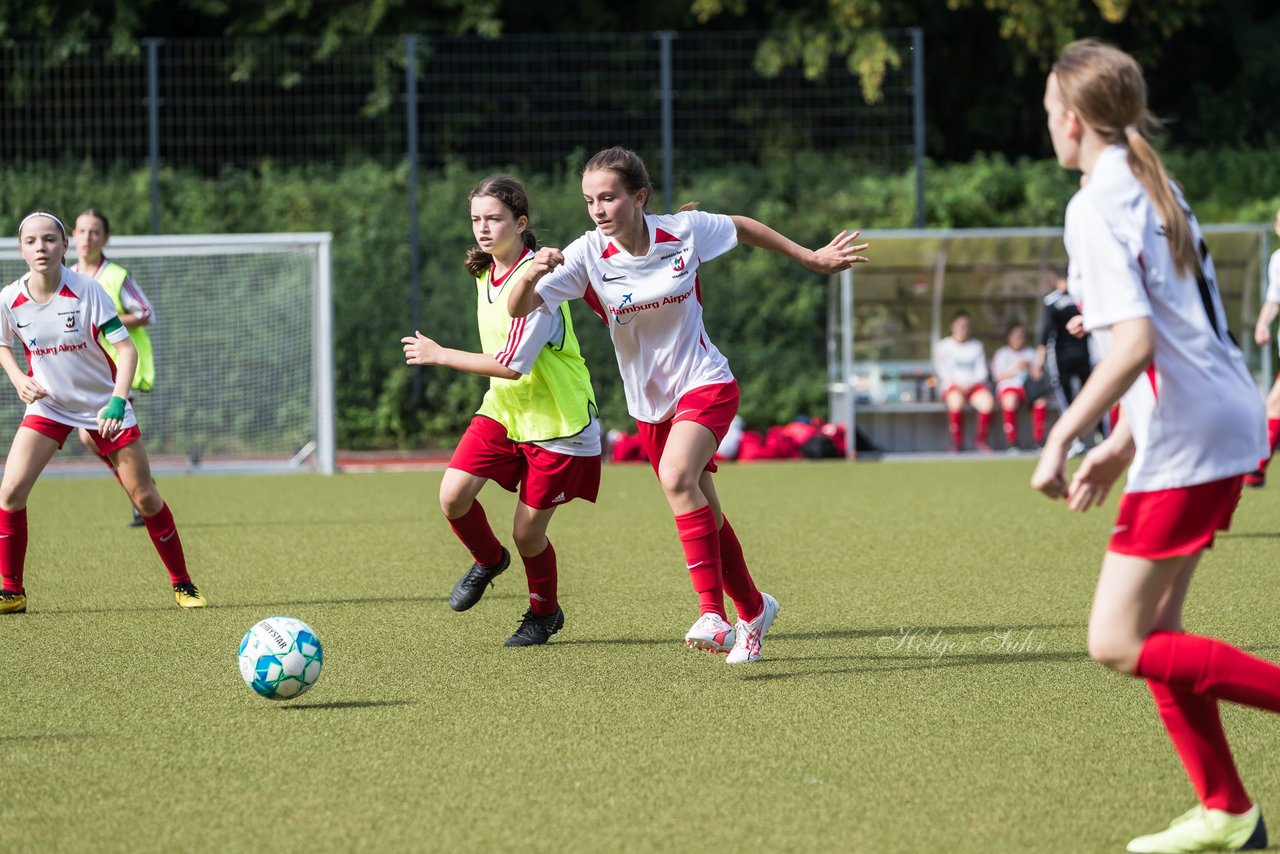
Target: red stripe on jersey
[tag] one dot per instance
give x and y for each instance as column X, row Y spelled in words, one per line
column 67, row 292
column 514, row 336
column 27, row 355
column 697, row 285
column 610, row 251
column 1151, row 377
column 593, row 303
column 660, row 236
column 131, row 287
column 22, row 298
column 497, row 283
column 111, row 363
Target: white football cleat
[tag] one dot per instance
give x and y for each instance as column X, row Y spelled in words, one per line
column 711, row 633
column 750, row 635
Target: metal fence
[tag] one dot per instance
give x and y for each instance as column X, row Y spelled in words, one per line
column 685, row 100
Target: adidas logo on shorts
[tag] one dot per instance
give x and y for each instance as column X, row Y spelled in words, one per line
column 558, row 498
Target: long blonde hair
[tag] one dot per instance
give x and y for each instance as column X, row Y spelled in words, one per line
column 1104, row 86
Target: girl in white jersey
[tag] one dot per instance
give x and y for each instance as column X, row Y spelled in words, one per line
column 1262, row 337
column 1190, row 427
column 537, row 429
column 92, row 231
column 961, row 365
column 57, row 315
column 640, row 273
column 1011, row 367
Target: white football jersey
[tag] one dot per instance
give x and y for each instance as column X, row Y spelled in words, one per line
column 960, row 364
column 1005, row 360
column 652, row 304
column 60, row 340
column 1195, row 413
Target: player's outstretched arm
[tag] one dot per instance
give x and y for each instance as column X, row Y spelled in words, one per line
column 421, row 350
column 29, row 391
column 523, row 299
column 840, row 254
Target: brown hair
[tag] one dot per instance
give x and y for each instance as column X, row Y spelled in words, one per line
column 1103, row 85
column 511, row 193
column 627, row 165
column 100, row 217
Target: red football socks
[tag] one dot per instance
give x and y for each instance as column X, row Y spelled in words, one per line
column 1011, row 427
column 164, row 536
column 13, row 547
column 955, row 425
column 473, row 530
column 1273, row 438
column 1196, row 732
column 701, row 543
column 1037, row 423
column 984, row 427
column 737, row 579
column 540, row 571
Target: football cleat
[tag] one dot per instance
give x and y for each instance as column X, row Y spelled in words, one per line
column 750, row 634
column 1256, row 478
column 1200, row 829
column 471, row 585
column 711, row 633
column 137, row 520
column 13, row 602
column 535, row 630
column 188, row 596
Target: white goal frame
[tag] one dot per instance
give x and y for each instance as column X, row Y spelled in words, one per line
column 319, row 454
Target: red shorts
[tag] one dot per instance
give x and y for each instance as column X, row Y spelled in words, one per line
column 967, row 392
column 1017, row 391
column 58, row 432
column 712, row 406
column 544, row 478
column 1172, row 522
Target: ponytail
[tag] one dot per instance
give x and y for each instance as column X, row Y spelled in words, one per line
column 688, row 206
column 1150, row 172
column 477, row 261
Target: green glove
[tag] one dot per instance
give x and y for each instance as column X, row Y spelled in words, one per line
column 114, row 411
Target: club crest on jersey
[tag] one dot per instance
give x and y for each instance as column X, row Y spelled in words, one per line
column 71, row 320
column 677, row 263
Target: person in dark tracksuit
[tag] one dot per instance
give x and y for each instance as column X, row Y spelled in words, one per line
column 1063, row 352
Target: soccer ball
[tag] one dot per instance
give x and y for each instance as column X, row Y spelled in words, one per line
column 280, row 658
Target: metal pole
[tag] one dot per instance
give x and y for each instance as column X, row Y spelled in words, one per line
column 326, row 428
column 411, row 133
column 153, row 128
column 846, row 363
column 668, row 121
column 917, row 116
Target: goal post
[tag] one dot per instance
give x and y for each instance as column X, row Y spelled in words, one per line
column 243, row 341
column 884, row 317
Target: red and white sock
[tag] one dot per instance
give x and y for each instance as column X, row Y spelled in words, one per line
column 1196, row 732
column 164, row 536
column 955, row 426
column 737, row 578
column 13, row 548
column 1037, row 423
column 472, row 528
column 540, row 572
column 1273, row 438
column 1011, row 427
column 701, row 543
column 984, row 427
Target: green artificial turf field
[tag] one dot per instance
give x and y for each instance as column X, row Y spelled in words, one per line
column 924, row 689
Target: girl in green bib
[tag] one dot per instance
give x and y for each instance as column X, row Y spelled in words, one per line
column 537, row 430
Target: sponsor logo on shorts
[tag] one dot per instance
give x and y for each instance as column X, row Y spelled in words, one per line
column 559, row 498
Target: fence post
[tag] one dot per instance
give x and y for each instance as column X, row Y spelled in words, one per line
column 668, row 119
column 917, row 116
column 411, row 145
column 153, row 128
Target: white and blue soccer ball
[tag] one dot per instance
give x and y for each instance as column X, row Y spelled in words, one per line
column 280, row 658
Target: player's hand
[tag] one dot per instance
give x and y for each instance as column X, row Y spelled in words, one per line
column 111, row 418
column 1100, row 470
column 839, row 254
column 1050, row 476
column 29, row 391
column 1075, row 326
column 1262, row 334
column 420, row 350
column 1036, row 371
column 545, row 260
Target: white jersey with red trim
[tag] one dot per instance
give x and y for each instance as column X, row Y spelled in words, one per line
column 652, row 304
column 960, row 363
column 1008, row 359
column 60, row 340
column 1196, row 414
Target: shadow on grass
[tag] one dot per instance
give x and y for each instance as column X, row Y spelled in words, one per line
column 1241, row 535
column 47, row 736
column 282, row 603
column 918, row 662
column 346, row 704
column 851, row 633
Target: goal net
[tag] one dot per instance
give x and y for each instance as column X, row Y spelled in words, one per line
column 884, row 317
column 242, row 335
